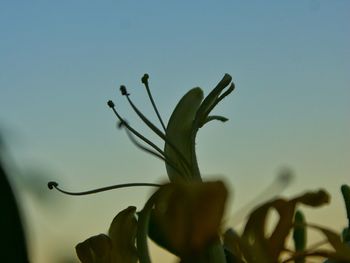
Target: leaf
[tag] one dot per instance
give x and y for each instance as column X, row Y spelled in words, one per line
column 122, row 233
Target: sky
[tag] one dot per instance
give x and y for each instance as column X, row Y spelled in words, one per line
column 60, row 61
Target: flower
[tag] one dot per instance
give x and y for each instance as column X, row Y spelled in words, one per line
column 185, row 215
column 190, row 114
column 117, row 246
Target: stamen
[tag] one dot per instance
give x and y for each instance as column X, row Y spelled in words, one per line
column 139, row 145
column 52, row 185
column 144, row 80
column 136, row 133
column 150, row 151
column 139, row 113
column 123, row 90
column 154, row 128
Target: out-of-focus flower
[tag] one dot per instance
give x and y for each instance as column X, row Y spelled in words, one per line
column 187, row 217
column 118, row 246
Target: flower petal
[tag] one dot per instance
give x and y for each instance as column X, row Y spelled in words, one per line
column 123, row 234
column 190, row 214
column 180, row 133
column 96, row 249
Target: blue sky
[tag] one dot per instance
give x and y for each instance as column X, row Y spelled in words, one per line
column 61, row 61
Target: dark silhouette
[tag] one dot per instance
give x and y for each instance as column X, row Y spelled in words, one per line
column 13, row 243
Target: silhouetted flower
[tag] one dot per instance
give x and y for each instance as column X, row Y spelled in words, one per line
column 117, row 246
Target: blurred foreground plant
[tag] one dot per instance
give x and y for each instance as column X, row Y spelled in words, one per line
column 185, row 215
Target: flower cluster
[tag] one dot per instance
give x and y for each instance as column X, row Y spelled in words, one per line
column 184, row 216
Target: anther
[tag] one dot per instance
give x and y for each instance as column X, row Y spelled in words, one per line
column 157, row 131
column 110, row 104
column 123, row 90
column 144, row 79
column 136, row 133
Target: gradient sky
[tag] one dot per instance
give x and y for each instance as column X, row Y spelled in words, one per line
column 60, row 61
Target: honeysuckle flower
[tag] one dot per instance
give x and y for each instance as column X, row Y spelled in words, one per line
column 182, row 217
column 190, row 114
column 185, row 215
column 95, row 249
column 193, row 209
column 255, row 246
column 118, row 246
column 179, row 155
column 185, row 218
column 189, row 215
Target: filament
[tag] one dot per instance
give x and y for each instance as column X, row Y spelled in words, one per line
column 154, row 128
column 150, row 151
column 52, row 185
column 136, row 133
column 144, row 80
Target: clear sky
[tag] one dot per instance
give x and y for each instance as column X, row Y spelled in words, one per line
column 60, row 61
